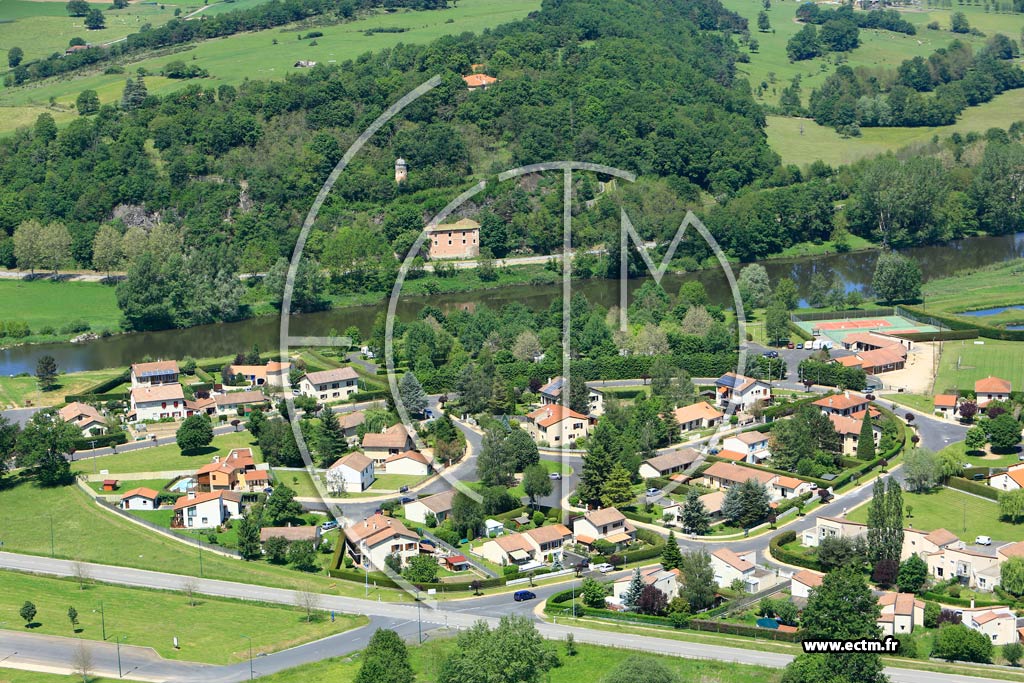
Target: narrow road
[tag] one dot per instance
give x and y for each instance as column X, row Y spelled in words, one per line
column 431, row 615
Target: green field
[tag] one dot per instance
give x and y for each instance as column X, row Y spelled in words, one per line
column 153, row 618
column 83, row 531
column 982, row 458
column 42, row 303
column 169, row 457
column 256, row 56
column 945, row 508
column 42, row 28
column 19, row 391
column 801, row 141
column 965, row 361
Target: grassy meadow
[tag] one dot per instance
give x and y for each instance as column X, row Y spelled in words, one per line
column 169, row 457
column 268, row 54
column 211, row 620
column 965, row 361
column 48, row 303
column 21, row 391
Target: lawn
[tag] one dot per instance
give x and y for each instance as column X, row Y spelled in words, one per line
column 169, row 457
column 550, row 466
column 128, row 485
column 298, row 481
column 948, row 509
column 980, row 458
column 965, row 361
column 82, row 531
column 230, row 60
column 925, row 404
column 392, row 482
column 43, row 303
column 213, row 623
column 22, row 391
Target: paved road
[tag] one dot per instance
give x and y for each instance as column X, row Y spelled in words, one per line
column 452, row 614
column 19, row 416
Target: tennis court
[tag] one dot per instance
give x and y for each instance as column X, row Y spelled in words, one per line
column 837, row 329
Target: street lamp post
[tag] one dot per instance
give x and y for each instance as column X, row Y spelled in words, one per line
column 118, row 642
column 52, row 552
column 251, row 676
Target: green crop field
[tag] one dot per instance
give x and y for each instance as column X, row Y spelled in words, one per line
column 946, row 509
column 151, row 618
column 268, row 54
column 169, row 457
column 966, row 361
column 21, row 391
column 42, row 303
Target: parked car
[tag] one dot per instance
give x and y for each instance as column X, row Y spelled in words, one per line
column 789, row 345
column 328, row 525
column 653, row 491
column 604, row 567
column 405, row 499
column 520, row 596
column 555, row 475
column 404, row 489
column 982, row 540
column 428, row 413
column 800, row 346
column 770, row 354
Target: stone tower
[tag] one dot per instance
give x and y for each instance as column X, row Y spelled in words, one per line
column 401, row 170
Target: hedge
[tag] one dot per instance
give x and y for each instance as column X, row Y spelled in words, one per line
column 743, row 630
column 384, row 581
column 97, row 398
column 942, row 335
column 811, row 316
column 799, row 331
column 783, row 555
column 786, row 409
column 968, row 486
column 101, row 441
column 958, row 602
column 956, row 323
column 372, row 395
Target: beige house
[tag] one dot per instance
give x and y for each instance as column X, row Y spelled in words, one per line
column 803, row 582
column 699, row 415
column 607, row 524
column 595, row 402
column 667, row 464
column 408, row 462
column 846, row 404
column 992, row 389
column 84, row 417
column 337, row 384
column 439, row 504
column 381, row 446
column 479, row 81
column 998, row 623
column 542, row 544
column 946, row 404
column 849, row 428
column 827, row 527
column 724, row 475
column 376, row 537
column 665, row 580
column 240, row 402
column 140, row 499
column 459, row 240
column 925, row 543
column 555, row 424
column 901, row 613
column 729, row 566
column 974, row 568
column 158, row 372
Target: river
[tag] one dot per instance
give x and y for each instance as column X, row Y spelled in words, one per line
column 855, row 269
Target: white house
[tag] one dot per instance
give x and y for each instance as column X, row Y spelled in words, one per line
column 667, row 464
column 740, row 392
column 595, row 402
column 376, row 537
column 1010, row 480
column 408, row 462
column 542, row 544
column 803, row 582
column 555, row 424
column 992, row 389
column 206, row 510
column 158, row 372
column 156, row 402
column 946, row 404
column 440, row 505
column 665, row 580
column 330, row 385
column 789, row 487
column 998, row 623
column 752, row 445
column 699, row 415
column 139, row 499
column 607, row 524
column 730, row 566
column 832, row 527
column 239, row 402
column 84, row 417
column 352, row 473
column 724, row 475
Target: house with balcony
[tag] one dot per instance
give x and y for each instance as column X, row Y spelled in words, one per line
column 156, row 402
column 752, row 445
column 157, row 372
column 991, row 389
column 606, row 524
column 740, row 392
column 207, row 510
column 554, row 424
column 849, row 428
column 372, row 540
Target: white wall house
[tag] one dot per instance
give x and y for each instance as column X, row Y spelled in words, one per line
column 740, row 392
column 439, row 504
column 555, row 424
column 158, row 372
column 206, row 510
column 376, row 537
column 408, row 462
column 157, row 402
column 350, row 474
column 139, row 499
column 329, row 385
column 84, row 417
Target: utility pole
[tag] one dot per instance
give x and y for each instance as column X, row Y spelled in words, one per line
column 419, row 621
column 103, row 621
column 52, row 552
column 200, row 558
column 251, row 675
column 118, row 642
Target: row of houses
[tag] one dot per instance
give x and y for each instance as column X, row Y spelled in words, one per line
column 391, row 451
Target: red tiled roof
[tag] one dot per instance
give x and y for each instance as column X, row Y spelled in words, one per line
column 733, row 560
column 548, row 415
column 807, row 578
column 697, row 411
column 409, row 455
column 736, row 473
column 395, row 436
column 479, row 80
column 187, row 502
column 946, row 401
column 992, row 385
column 158, row 392
column 141, row 492
column 841, row 401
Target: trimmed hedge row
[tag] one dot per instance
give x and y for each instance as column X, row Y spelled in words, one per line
column 946, row 599
column 956, row 323
column 106, row 385
column 942, row 335
column 101, row 441
column 799, row 331
column 968, row 486
column 786, row 409
column 384, row 581
column 97, row 398
column 743, row 630
column 783, row 555
column 372, row 395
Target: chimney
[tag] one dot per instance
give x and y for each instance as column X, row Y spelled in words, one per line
column 216, row 458
column 972, row 603
column 847, row 392
column 191, row 494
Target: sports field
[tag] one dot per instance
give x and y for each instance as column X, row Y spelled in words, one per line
column 837, row 328
column 963, row 362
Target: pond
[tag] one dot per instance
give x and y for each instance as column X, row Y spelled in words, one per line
column 994, row 311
